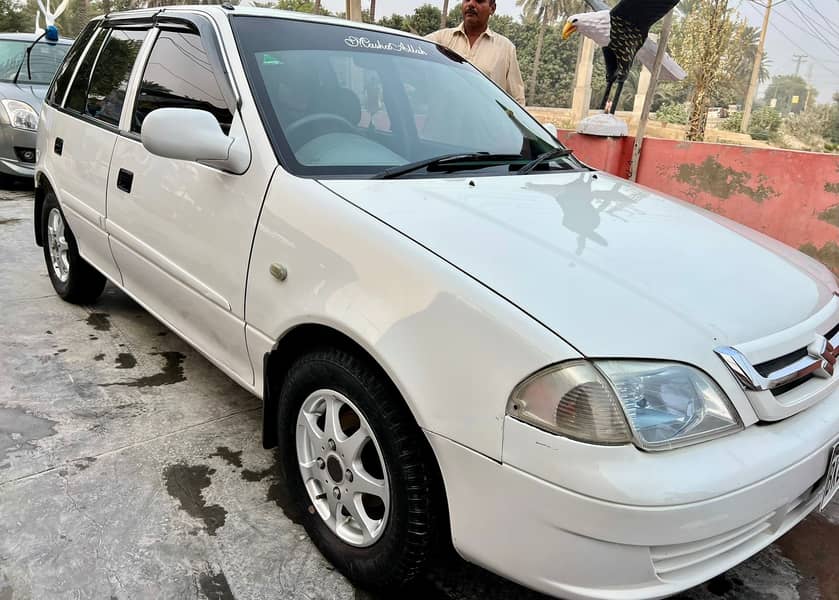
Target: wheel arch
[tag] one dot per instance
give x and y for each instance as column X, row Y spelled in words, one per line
column 306, row 337
column 43, row 186
column 294, row 343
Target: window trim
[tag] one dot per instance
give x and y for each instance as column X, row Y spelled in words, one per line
column 131, row 75
column 133, row 88
column 60, row 103
column 126, row 126
column 81, row 113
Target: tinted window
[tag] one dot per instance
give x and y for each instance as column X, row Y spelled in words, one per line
column 77, row 97
column 179, row 75
column 65, row 71
column 341, row 101
column 106, row 92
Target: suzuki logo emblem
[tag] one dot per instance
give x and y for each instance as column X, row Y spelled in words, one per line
column 824, row 350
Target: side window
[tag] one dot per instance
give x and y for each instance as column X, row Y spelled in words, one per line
column 77, row 96
column 65, row 71
column 179, row 75
column 106, row 92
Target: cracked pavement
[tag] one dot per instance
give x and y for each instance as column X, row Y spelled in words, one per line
column 130, row 467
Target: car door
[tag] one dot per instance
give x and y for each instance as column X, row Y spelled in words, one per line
column 181, row 231
column 83, row 133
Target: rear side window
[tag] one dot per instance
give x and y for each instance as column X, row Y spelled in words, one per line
column 77, row 97
column 179, row 75
column 106, row 92
column 65, row 71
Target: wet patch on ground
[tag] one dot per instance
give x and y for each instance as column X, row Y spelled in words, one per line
column 84, row 463
column 214, row 586
column 278, row 489
column 186, row 484
column 228, row 455
column 99, row 357
column 9, row 221
column 814, row 545
column 173, row 372
column 126, row 361
column 18, row 427
column 99, row 321
column 712, row 177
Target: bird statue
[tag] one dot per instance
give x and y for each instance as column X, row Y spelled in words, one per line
column 621, row 32
column 51, row 31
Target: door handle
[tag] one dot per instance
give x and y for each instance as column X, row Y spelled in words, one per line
column 124, row 180
column 58, row 147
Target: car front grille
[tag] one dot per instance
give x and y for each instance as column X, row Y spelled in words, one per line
column 785, row 373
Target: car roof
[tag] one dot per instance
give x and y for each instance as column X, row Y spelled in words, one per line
column 224, row 11
column 30, row 37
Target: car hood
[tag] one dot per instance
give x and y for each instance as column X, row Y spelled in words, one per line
column 33, row 95
column 614, row 268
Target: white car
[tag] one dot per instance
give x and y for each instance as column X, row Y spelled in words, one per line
column 459, row 332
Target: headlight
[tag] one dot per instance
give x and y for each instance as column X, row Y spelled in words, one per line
column 656, row 405
column 21, row 115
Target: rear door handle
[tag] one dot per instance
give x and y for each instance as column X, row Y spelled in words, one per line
column 124, row 180
column 58, row 147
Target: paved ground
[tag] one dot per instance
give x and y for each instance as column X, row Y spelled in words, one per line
column 132, row 468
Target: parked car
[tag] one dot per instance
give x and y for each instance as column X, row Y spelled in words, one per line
column 459, row 332
column 22, row 87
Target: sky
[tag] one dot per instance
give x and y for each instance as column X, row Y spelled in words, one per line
column 790, row 33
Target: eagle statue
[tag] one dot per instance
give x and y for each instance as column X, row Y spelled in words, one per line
column 622, row 33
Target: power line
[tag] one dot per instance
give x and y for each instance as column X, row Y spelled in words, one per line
column 791, row 41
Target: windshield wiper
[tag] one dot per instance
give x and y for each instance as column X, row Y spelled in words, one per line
column 26, row 59
column 549, row 155
column 448, row 160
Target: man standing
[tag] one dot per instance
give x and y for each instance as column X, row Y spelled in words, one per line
column 491, row 52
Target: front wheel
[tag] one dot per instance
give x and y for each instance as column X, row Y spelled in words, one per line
column 72, row 277
column 359, row 469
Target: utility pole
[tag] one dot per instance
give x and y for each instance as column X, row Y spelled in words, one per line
column 354, row 10
column 750, row 95
column 648, row 101
column 444, row 14
column 799, row 58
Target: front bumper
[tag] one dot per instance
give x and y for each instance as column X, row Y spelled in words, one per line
column 572, row 545
column 10, row 161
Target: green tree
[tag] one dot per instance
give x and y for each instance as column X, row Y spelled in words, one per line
column 831, row 130
column 546, row 13
column 783, row 89
column 706, row 46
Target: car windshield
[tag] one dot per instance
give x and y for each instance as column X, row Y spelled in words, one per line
column 345, row 102
column 43, row 62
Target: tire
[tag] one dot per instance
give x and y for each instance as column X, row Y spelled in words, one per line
column 409, row 517
column 73, row 278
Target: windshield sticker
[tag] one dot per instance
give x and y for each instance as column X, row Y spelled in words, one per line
column 368, row 44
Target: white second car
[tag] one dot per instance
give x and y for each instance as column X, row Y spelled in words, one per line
column 459, row 332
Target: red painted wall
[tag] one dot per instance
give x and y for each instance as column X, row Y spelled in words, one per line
column 791, row 196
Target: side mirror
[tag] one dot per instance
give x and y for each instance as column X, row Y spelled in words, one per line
column 194, row 135
column 551, row 128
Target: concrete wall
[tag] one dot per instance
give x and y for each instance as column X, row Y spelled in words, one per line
column 791, row 196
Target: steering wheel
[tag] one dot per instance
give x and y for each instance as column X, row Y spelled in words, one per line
column 316, row 124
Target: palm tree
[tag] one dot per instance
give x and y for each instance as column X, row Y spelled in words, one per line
column 372, row 11
column 444, row 15
column 546, row 12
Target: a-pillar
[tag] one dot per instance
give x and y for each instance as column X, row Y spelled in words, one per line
column 582, row 92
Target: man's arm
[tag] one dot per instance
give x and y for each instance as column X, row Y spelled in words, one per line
column 515, row 85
